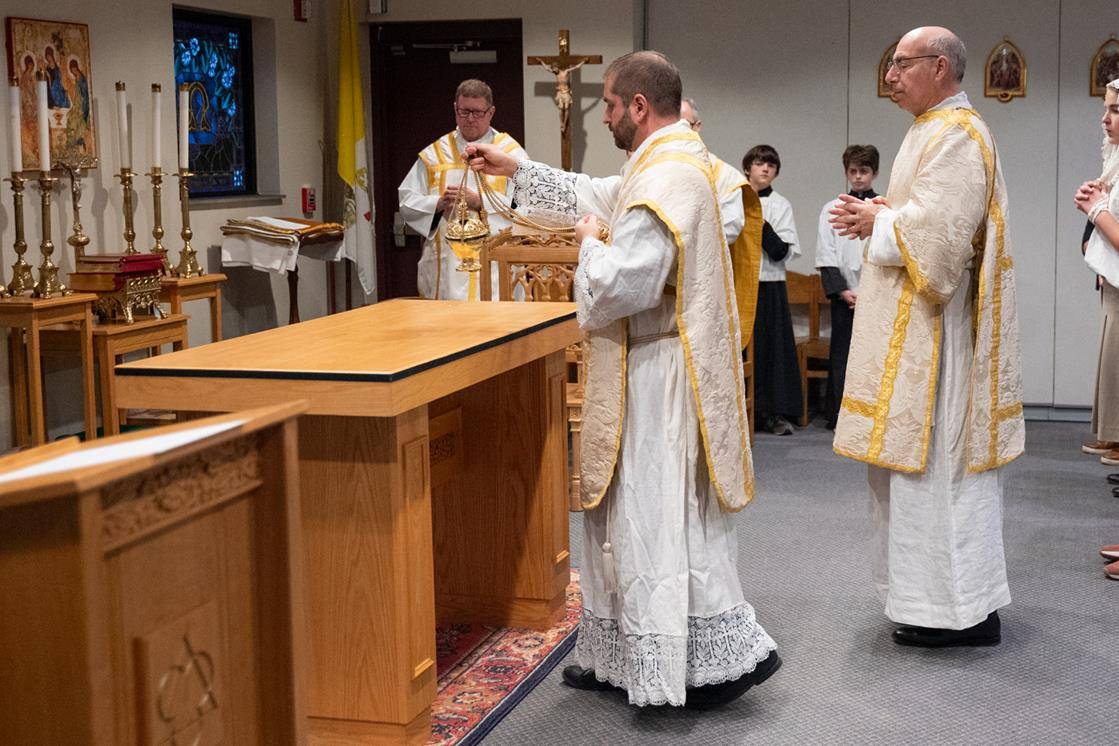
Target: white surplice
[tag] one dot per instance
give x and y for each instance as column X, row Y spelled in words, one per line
column 939, row 560
column 833, row 250
column 678, row 618
column 778, row 212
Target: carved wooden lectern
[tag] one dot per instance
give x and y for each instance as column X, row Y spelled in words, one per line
column 151, row 587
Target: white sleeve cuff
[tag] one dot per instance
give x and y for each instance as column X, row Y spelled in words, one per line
column 882, row 249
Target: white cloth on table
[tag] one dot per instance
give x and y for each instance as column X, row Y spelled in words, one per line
column 243, row 250
column 939, row 549
column 778, row 212
column 678, row 618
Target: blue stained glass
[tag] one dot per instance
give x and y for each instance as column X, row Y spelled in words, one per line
column 212, row 61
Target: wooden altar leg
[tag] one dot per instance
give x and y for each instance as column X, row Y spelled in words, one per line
column 331, row 289
column 35, row 384
column 499, row 497
column 215, row 315
column 366, row 501
column 17, row 365
column 293, row 296
column 89, row 391
column 349, row 285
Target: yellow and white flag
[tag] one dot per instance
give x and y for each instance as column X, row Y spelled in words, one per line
column 353, row 164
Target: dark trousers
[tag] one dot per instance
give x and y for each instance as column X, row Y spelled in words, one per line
column 842, row 318
column 776, row 371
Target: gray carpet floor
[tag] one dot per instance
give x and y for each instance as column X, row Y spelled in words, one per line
column 804, row 545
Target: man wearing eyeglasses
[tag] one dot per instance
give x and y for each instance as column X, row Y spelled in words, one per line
column 933, row 397
column 429, row 191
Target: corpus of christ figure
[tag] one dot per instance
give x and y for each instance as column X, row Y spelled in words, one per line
column 562, row 65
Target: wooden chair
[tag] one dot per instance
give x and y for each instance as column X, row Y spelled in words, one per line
column 541, row 268
column 748, row 376
column 808, row 291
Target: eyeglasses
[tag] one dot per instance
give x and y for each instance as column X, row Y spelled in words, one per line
column 904, row 63
column 472, row 113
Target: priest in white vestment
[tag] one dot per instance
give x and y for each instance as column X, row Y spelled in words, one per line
column 666, row 453
column 933, row 399
column 428, row 193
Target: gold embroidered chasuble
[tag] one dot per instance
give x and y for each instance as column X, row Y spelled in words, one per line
column 947, row 188
column 673, row 179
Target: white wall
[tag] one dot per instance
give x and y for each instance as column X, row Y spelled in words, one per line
column 801, row 75
column 131, row 40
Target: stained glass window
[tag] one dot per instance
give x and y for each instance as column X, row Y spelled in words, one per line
column 213, row 56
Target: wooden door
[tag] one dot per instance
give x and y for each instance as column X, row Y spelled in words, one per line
column 415, row 73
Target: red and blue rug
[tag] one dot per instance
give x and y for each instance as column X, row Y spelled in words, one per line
column 484, row 672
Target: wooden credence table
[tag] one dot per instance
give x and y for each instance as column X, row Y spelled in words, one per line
column 433, row 471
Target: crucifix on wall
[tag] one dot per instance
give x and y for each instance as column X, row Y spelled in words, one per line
column 562, row 65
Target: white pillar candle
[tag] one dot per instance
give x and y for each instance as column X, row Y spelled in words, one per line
column 44, row 125
column 122, row 127
column 15, row 131
column 157, row 98
column 184, row 125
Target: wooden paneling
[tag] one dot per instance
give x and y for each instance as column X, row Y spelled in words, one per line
column 501, row 522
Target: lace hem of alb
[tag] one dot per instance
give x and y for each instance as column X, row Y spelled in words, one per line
column 655, row 669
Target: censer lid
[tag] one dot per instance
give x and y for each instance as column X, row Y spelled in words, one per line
column 467, row 228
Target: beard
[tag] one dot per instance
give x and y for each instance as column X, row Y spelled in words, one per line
column 624, row 132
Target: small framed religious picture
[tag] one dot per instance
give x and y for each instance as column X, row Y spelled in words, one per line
column 884, row 90
column 1105, row 67
column 60, row 51
column 1004, row 76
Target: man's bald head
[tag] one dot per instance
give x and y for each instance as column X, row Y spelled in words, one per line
column 929, row 63
column 941, row 41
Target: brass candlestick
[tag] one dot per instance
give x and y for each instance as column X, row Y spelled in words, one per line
column 125, row 177
column 48, row 284
column 22, row 281
column 156, row 176
column 188, row 258
column 78, row 239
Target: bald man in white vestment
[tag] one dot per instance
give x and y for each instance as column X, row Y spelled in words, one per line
column 666, row 454
column 933, row 398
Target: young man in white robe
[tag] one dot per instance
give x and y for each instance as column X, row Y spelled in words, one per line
column 840, row 260
column 666, row 453
column 934, row 391
column 429, row 190
column 777, row 393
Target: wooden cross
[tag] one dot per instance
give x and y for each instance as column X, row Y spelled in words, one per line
column 562, row 65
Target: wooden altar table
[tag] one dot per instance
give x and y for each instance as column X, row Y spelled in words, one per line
column 433, row 467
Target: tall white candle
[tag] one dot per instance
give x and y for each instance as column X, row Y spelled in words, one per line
column 44, row 125
column 15, row 131
column 184, row 124
column 122, row 127
column 157, row 98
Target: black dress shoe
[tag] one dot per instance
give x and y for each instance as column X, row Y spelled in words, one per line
column 710, row 696
column 1115, row 491
column 987, row 632
column 1113, row 478
column 578, row 677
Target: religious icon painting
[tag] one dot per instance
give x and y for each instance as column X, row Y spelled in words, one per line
column 884, row 89
column 60, row 51
column 1105, row 67
column 1004, row 76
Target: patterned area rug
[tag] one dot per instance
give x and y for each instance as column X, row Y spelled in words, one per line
column 484, row 672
